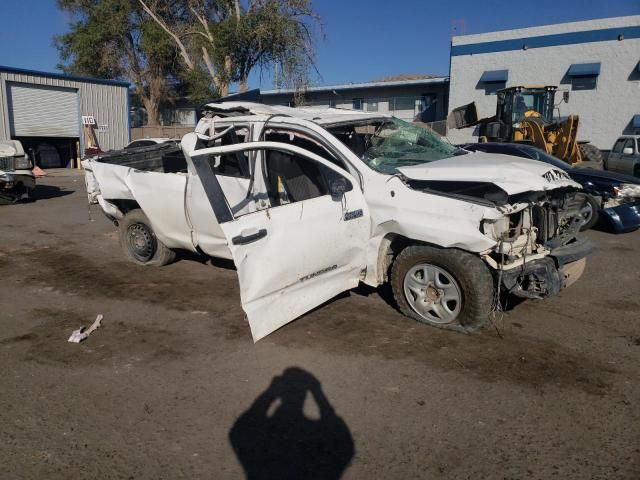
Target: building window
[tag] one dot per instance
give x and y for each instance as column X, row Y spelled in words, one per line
column 491, row 88
column 584, row 83
column 356, row 103
column 584, row 76
column 428, row 106
column 493, row 80
column 372, row 106
column 404, row 103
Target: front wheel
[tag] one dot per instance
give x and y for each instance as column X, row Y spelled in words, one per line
column 444, row 288
column 590, row 213
column 139, row 242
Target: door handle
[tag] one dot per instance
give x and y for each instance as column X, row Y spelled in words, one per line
column 245, row 238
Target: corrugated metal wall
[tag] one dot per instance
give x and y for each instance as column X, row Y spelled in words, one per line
column 107, row 103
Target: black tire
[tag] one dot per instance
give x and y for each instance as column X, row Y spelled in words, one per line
column 636, row 171
column 139, row 242
column 594, row 216
column 591, row 156
column 471, row 274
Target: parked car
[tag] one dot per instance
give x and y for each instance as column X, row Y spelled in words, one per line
column 611, row 195
column 147, row 142
column 308, row 203
column 625, row 156
column 16, row 178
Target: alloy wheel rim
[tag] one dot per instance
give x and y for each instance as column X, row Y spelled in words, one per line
column 433, row 293
column 586, row 212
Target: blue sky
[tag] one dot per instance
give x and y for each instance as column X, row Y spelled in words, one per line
column 365, row 39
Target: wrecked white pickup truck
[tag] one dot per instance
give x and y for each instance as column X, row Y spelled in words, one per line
column 308, row 203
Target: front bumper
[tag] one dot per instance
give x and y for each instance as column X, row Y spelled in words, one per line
column 25, row 178
column 547, row 276
column 624, row 217
column 17, row 184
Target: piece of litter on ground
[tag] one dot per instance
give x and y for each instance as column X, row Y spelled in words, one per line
column 38, row 172
column 79, row 335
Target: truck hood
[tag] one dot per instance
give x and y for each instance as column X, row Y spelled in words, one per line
column 512, row 174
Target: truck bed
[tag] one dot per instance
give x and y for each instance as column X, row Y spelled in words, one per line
column 163, row 158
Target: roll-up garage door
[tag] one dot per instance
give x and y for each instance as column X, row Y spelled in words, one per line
column 43, row 111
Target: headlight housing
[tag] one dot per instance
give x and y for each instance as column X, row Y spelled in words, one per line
column 22, row 163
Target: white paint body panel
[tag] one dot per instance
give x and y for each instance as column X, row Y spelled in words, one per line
column 309, row 250
column 512, row 174
column 279, row 274
column 160, row 196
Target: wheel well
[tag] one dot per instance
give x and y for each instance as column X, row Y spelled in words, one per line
column 124, row 205
column 390, row 247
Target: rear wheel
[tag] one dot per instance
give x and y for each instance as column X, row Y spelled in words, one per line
column 591, row 156
column 444, row 288
column 139, row 242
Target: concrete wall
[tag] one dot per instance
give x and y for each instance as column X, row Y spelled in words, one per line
column 604, row 112
column 108, row 103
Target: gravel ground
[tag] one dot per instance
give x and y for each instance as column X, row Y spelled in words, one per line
column 173, row 387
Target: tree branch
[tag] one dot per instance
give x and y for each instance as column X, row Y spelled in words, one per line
column 183, row 51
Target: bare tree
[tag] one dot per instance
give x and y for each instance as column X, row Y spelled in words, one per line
column 231, row 38
column 116, row 39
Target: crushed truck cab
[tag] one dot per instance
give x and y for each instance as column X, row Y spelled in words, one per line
column 308, row 203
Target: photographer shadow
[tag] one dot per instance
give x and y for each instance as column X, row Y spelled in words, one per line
column 274, row 439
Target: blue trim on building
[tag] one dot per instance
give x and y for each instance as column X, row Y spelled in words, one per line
column 588, row 36
column 494, row 76
column 61, row 76
column 584, row 70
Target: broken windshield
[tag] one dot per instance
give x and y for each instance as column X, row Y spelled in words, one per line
column 388, row 144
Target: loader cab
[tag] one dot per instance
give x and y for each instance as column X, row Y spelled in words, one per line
column 514, row 104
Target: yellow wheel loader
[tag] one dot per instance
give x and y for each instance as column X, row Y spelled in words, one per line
column 525, row 114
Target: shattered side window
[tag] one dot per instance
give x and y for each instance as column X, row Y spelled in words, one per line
column 303, row 141
column 234, row 164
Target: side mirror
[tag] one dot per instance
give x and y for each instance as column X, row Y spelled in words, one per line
column 627, row 151
column 338, row 187
column 565, row 96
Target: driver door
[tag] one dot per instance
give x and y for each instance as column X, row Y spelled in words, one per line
column 305, row 240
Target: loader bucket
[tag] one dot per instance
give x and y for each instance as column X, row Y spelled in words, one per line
column 463, row 117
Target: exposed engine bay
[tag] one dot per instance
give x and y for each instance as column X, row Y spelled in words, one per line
column 536, row 242
column 535, row 238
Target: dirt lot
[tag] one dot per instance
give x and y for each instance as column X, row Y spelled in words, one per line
column 173, row 387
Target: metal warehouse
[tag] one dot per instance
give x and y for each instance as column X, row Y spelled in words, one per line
column 46, row 112
column 596, row 61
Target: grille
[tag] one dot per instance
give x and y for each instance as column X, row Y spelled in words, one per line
column 546, row 222
column 7, row 164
